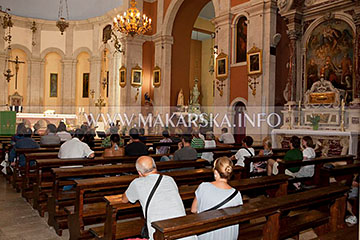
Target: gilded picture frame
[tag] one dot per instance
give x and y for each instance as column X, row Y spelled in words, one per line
column 122, row 76
column 136, row 76
column 53, row 93
column 222, row 66
column 156, row 77
column 254, row 61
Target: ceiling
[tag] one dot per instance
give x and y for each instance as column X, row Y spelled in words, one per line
column 49, row 9
column 78, row 9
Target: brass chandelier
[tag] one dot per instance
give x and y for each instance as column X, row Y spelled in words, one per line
column 131, row 22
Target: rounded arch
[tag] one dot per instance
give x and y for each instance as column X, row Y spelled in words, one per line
column 236, row 101
column 23, row 48
column 341, row 16
column 51, row 50
column 81, row 50
column 238, row 16
column 172, row 11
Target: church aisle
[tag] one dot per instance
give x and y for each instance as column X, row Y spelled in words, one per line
column 18, row 220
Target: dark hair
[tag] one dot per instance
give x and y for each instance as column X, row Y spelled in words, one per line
column 295, row 141
column 248, row 141
column 84, row 127
column 28, row 132
column 225, row 130
column 187, row 138
column 115, row 138
column 309, row 141
column 20, row 130
column 61, row 127
column 51, row 128
column 134, row 133
column 165, row 134
column 141, row 131
column 79, row 133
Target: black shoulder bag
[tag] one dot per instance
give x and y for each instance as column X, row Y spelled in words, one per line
column 145, row 230
column 251, row 155
column 228, row 199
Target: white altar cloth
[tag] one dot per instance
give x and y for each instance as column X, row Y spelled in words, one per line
column 353, row 136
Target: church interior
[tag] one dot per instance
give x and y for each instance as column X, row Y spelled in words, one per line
column 259, row 96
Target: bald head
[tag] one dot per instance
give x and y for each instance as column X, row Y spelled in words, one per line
column 145, row 165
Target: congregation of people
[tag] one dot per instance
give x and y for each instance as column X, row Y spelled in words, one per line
column 208, row 196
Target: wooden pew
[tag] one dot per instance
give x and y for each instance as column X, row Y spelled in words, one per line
column 277, row 225
column 251, row 160
column 340, row 173
column 350, row 233
column 114, row 205
column 318, row 162
column 99, row 187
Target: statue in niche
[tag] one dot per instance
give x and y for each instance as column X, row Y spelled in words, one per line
column 180, row 99
column 195, row 94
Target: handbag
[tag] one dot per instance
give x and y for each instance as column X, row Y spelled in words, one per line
column 145, row 230
column 228, row 199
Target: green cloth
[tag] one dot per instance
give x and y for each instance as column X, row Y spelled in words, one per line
column 106, row 143
column 293, row 155
column 197, row 143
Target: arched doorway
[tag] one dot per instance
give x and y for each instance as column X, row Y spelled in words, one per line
column 239, row 119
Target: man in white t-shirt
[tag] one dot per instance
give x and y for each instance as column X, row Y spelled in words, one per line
column 226, row 137
column 166, row 202
column 75, row 148
column 245, row 151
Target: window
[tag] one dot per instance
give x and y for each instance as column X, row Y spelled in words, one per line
column 241, row 40
column 85, row 93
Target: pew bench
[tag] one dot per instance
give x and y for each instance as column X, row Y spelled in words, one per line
column 277, row 226
column 340, row 173
column 351, row 233
column 114, row 230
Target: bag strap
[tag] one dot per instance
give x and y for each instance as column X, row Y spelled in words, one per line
column 251, row 155
column 151, row 194
column 228, row 199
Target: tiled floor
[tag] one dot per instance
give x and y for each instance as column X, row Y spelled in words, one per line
column 19, row 221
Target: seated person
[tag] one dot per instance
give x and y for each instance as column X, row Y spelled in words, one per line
column 166, row 202
column 50, row 137
column 226, row 137
column 209, row 143
column 245, row 151
column 294, row 154
column 308, row 154
column 353, row 198
column 106, row 143
column 261, row 166
column 185, row 151
column 114, row 150
column 20, row 131
column 135, row 147
column 176, row 137
column 196, row 141
column 62, row 133
column 89, row 138
column 166, row 139
column 209, row 195
column 142, row 135
column 25, row 142
column 75, row 148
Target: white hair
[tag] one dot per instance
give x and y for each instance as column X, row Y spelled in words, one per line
column 140, row 168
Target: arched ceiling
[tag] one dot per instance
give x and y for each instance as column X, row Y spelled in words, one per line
column 48, row 9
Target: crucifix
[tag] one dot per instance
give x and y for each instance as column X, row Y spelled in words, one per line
column 17, row 63
column 252, row 84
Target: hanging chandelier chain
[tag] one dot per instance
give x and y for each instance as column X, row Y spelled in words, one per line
column 61, row 9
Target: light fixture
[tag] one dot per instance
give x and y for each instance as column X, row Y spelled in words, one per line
column 131, row 21
column 62, row 24
column 33, row 29
column 7, row 24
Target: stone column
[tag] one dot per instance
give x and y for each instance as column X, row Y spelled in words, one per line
column 163, row 46
column 356, row 101
column 95, row 71
column 68, row 86
column 3, row 83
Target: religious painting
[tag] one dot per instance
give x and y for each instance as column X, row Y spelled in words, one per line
column 85, row 93
column 156, row 77
column 222, row 66
column 136, row 76
column 53, row 84
column 122, row 76
column 241, row 40
column 330, row 54
column 254, row 61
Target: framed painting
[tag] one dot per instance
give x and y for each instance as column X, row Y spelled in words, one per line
column 122, row 76
column 156, row 77
column 85, row 93
column 254, row 61
column 136, row 76
column 222, row 64
column 53, row 84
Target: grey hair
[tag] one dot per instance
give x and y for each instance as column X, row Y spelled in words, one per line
column 144, row 170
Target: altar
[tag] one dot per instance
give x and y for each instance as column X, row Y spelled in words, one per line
column 32, row 118
column 330, row 142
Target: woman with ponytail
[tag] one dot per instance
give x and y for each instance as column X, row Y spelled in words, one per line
column 216, row 195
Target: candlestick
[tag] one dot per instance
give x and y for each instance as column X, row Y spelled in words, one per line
column 299, row 114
